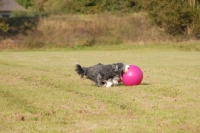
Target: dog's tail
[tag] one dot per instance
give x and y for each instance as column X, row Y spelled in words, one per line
column 80, row 70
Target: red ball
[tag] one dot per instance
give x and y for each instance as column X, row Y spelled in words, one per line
column 133, row 76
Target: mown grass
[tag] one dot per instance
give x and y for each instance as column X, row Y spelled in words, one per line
column 40, row 92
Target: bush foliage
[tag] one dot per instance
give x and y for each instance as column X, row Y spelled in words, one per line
column 25, row 3
column 176, row 17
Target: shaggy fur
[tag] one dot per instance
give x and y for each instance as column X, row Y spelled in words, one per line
column 101, row 74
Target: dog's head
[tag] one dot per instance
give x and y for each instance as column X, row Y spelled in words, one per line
column 120, row 68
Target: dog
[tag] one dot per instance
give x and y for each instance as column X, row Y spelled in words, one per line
column 103, row 75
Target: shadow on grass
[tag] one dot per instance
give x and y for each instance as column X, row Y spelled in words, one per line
column 145, row 84
column 121, row 84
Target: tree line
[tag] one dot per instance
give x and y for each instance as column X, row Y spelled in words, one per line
column 176, row 17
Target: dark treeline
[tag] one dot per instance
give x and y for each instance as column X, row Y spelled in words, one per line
column 176, row 17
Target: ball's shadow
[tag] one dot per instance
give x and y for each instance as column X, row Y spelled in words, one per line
column 145, row 84
column 121, row 84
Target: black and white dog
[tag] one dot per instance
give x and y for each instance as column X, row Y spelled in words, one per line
column 107, row 75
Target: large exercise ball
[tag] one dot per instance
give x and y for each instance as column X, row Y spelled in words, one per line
column 133, row 76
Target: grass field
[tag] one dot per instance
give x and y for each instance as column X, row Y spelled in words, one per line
column 40, row 92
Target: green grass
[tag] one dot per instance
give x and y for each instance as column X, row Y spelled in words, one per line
column 41, row 92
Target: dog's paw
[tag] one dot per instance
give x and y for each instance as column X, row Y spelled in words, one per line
column 115, row 82
column 108, row 84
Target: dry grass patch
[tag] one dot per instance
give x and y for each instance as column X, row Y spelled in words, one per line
column 89, row 30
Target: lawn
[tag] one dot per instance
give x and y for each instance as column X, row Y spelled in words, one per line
column 41, row 92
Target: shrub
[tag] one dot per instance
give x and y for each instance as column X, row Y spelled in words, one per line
column 175, row 17
column 4, row 27
column 25, row 3
column 15, row 26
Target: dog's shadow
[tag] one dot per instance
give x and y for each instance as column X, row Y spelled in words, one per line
column 121, row 84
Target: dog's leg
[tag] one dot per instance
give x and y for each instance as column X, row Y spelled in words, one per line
column 116, row 80
column 109, row 83
column 99, row 80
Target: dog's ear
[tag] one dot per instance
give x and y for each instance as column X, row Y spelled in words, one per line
column 121, row 71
